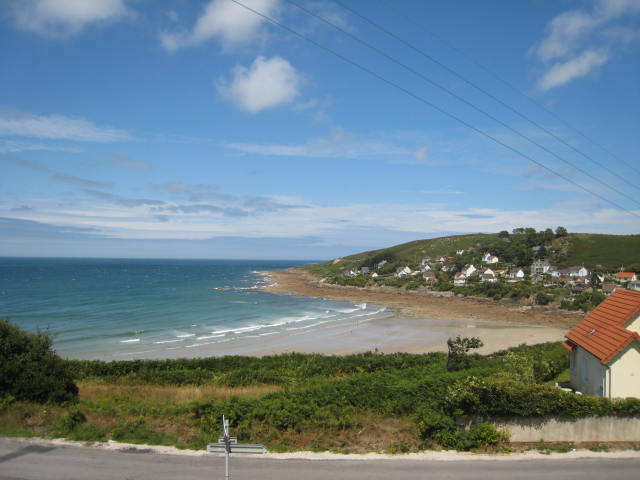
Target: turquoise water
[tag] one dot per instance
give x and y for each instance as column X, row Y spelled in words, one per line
column 97, row 308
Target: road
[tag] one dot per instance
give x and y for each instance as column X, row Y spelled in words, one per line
column 29, row 461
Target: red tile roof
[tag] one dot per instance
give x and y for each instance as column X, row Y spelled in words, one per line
column 602, row 332
column 625, row 275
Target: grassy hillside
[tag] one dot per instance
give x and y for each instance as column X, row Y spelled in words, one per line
column 610, row 251
column 411, row 252
column 589, row 249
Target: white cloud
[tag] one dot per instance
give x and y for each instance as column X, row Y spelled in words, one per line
column 23, row 124
column 131, row 163
column 13, row 146
column 579, row 41
column 563, row 72
column 231, row 23
column 121, row 217
column 339, row 144
column 65, row 17
column 267, row 83
column 564, row 34
column 420, row 155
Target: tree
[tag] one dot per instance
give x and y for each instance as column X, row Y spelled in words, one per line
column 30, row 370
column 561, row 232
column 458, row 347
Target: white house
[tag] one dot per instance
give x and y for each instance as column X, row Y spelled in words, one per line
column 459, row 279
column 623, row 277
column 489, row 258
column 488, row 275
column 605, row 348
column 515, row 274
column 540, row 266
column 460, row 252
column 469, row 270
column 403, row 272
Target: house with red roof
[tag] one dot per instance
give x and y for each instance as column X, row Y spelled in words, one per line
column 626, row 277
column 605, row 348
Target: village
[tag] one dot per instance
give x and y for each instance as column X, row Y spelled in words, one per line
column 478, row 271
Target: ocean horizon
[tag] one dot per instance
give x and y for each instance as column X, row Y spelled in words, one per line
column 110, row 308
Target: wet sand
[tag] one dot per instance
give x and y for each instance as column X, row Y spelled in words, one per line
column 423, row 320
column 414, row 322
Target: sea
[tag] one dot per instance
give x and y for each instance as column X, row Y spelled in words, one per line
column 119, row 308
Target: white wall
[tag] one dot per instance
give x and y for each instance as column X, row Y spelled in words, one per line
column 625, row 372
column 634, row 326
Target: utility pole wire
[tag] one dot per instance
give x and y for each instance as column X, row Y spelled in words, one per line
column 460, row 52
column 479, row 88
column 432, row 105
column 461, row 99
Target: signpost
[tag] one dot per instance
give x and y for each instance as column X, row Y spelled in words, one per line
column 227, row 445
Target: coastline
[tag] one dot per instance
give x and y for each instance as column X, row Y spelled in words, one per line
column 400, row 321
column 417, row 315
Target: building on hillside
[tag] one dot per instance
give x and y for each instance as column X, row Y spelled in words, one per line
column 459, row 279
column 605, row 348
column 623, row 277
column 515, row 274
column 609, row 287
column 540, row 266
column 429, row 277
column 634, row 286
column 469, row 270
column 490, row 258
column 403, row 272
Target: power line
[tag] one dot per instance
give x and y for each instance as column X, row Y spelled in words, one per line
column 459, row 98
column 505, row 82
column 479, row 88
column 432, row 105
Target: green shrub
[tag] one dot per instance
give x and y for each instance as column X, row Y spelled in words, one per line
column 137, row 431
column 30, row 370
column 68, row 423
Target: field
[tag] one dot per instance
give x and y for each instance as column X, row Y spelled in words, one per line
column 356, row 403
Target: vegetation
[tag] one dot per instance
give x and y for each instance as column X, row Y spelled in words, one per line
column 30, row 370
column 354, row 403
column 516, row 250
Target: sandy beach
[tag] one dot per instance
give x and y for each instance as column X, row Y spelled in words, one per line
column 412, row 322
column 422, row 321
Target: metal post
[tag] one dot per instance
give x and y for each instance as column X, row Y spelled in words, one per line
column 227, row 443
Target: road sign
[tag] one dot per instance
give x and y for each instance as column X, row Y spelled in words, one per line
column 227, row 445
column 231, row 439
column 235, row 448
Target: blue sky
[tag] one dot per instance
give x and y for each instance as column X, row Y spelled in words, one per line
column 198, row 129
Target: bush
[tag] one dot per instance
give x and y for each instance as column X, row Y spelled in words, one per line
column 30, row 370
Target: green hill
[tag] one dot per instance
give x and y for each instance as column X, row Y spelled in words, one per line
column 592, row 250
column 610, row 251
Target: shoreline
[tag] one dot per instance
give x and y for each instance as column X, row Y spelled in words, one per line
column 499, row 325
column 400, row 321
column 423, row 303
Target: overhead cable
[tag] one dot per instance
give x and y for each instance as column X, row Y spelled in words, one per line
column 461, row 99
column 431, row 104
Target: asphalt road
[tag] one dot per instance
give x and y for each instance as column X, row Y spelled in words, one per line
column 19, row 460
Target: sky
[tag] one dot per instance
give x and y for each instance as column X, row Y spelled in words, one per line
column 299, row 129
